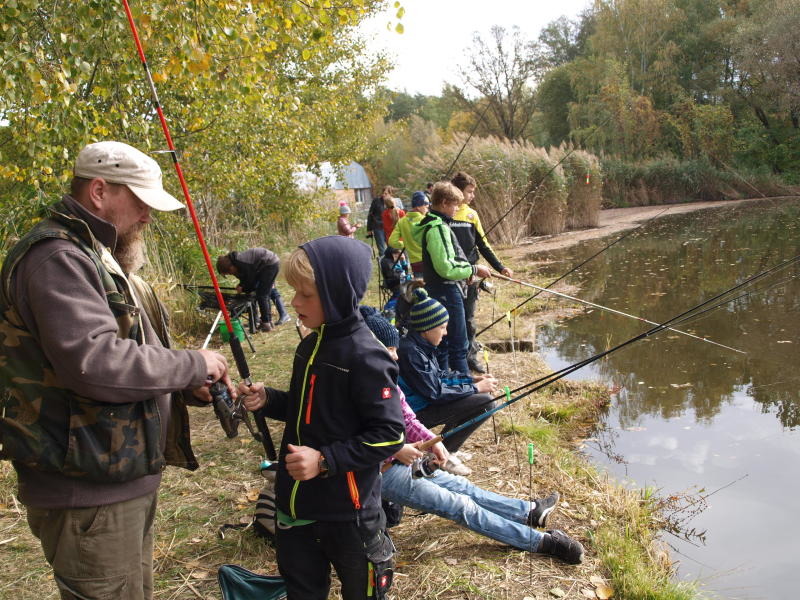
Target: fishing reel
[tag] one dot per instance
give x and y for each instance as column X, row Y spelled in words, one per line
column 224, row 408
column 487, row 286
column 231, row 414
column 424, row 466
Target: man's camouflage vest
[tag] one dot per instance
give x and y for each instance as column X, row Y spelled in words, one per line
column 48, row 427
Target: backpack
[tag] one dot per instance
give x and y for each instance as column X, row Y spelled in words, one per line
column 264, row 522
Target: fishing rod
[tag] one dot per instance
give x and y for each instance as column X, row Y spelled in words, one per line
column 700, row 309
column 237, row 351
column 464, row 145
column 612, row 310
column 707, row 305
column 576, row 267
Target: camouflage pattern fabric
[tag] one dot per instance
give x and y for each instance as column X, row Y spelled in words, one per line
column 48, row 427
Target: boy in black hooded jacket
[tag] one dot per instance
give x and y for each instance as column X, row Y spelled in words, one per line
column 343, row 419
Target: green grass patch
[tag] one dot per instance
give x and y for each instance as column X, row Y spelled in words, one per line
column 558, row 413
column 545, row 435
column 635, row 571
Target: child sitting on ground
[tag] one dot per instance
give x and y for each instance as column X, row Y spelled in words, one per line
column 344, row 418
column 437, row 396
column 507, row 520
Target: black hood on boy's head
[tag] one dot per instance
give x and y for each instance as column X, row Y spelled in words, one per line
column 342, row 267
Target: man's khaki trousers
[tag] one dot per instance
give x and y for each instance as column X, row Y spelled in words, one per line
column 100, row 552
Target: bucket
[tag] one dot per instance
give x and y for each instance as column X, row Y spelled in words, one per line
column 238, row 331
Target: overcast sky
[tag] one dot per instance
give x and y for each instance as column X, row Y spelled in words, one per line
column 438, row 34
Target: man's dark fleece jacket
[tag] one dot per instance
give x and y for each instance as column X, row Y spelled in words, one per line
column 63, row 303
column 250, row 263
column 342, row 399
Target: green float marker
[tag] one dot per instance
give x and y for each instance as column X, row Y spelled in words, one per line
column 531, row 454
column 507, row 390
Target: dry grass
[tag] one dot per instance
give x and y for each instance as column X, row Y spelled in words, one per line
column 436, row 558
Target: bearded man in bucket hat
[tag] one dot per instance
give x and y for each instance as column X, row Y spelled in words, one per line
column 93, row 398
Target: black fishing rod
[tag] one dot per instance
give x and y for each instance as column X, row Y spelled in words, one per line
column 575, row 268
column 464, row 145
column 614, row 311
column 228, row 411
column 537, row 384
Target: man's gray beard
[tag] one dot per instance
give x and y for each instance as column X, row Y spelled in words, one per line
column 129, row 250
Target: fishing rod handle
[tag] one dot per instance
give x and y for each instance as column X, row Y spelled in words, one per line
column 430, row 443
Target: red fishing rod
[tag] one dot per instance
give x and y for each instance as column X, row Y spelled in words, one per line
column 235, row 343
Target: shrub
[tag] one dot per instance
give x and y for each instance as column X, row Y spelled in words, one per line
column 668, row 180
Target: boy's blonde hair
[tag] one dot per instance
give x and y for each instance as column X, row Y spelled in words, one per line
column 298, row 270
column 445, row 192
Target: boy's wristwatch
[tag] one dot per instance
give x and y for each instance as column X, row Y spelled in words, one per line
column 323, row 466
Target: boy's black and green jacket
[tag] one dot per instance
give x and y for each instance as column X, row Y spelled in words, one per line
column 342, row 398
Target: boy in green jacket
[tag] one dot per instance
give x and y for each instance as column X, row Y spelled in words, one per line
column 403, row 237
column 447, row 272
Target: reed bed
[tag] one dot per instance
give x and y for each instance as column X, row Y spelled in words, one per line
column 585, row 184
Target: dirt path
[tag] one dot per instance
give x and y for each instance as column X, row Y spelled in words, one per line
column 616, row 220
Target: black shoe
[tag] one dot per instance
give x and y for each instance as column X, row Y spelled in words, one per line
column 474, row 365
column 559, row 544
column 542, row 509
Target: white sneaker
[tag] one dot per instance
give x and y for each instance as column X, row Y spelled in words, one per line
column 454, row 466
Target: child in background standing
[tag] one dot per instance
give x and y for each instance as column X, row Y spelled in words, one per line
column 391, row 215
column 466, row 226
column 343, row 225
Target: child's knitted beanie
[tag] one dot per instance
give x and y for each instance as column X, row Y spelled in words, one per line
column 426, row 312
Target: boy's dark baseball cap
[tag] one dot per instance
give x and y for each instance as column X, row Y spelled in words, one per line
column 419, row 199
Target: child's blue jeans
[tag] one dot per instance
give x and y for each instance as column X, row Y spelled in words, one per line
column 458, row 499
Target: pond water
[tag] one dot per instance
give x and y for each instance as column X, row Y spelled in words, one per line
column 691, row 416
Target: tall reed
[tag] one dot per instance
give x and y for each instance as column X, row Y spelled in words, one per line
column 585, row 185
column 506, row 173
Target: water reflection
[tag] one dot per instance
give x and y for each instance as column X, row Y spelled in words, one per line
column 691, row 415
column 664, row 270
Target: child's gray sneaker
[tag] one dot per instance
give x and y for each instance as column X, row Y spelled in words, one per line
column 542, row 507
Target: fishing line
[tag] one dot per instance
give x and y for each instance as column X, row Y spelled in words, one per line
column 530, row 387
column 576, row 267
column 464, row 145
column 705, row 313
column 613, row 310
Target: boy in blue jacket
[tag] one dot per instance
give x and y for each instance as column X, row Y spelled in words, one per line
column 343, row 419
column 438, row 396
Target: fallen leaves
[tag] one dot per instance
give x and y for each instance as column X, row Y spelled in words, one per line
column 602, row 590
